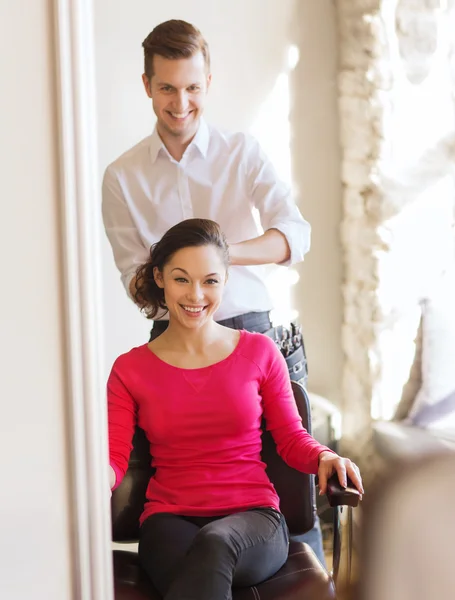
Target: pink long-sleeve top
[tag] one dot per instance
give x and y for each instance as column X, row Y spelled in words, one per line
column 204, row 427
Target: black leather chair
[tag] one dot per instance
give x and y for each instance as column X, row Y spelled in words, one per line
column 302, row 577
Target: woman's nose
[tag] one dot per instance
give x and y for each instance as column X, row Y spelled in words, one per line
column 196, row 293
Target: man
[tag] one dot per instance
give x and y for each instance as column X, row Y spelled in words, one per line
column 186, row 169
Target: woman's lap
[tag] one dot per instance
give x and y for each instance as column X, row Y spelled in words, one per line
column 248, row 547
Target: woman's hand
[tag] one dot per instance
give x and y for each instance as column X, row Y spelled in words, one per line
column 112, row 479
column 329, row 462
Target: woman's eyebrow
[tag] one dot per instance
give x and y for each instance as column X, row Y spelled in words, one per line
column 179, row 269
column 186, row 273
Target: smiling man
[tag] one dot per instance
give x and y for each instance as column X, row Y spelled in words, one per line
column 187, row 168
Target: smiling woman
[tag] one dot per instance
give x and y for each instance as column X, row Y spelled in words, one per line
column 185, row 274
column 200, row 390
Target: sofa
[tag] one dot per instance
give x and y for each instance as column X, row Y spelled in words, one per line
column 424, row 420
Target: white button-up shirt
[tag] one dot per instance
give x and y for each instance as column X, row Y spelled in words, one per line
column 221, row 176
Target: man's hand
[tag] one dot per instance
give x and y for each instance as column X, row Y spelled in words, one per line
column 329, row 463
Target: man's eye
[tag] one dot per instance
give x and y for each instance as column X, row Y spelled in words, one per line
column 166, row 88
column 194, row 88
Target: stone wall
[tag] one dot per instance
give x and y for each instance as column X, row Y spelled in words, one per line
column 396, row 112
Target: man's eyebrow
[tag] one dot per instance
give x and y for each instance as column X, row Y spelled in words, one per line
column 164, row 83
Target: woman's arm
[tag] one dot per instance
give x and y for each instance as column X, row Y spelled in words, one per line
column 294, row 444
column 121, row 410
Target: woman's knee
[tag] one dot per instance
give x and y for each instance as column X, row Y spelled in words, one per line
column 163, row 544
column 216, row 543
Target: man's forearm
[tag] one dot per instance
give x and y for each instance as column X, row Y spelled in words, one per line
column 269, row 248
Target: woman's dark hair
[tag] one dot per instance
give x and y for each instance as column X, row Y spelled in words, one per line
column 189, row 233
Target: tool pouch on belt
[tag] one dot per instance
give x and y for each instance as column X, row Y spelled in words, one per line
column 290, row 343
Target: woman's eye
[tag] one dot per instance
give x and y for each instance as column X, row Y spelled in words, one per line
column 212, row 281
column 181, row 279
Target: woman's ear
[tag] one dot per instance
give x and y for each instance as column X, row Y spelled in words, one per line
column 158, row 277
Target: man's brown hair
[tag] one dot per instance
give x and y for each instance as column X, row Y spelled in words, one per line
column 174, row 39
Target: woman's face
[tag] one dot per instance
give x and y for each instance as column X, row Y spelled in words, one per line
column 193, row 282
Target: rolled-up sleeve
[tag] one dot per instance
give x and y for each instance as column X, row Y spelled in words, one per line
column 127, row 247
column 273, row 199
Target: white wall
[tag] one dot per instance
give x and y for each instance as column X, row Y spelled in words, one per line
column 316, row 164
column 34, row 522
column 292, row 113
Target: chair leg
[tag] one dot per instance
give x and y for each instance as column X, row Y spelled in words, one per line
column 350, row 542
column 336, row 541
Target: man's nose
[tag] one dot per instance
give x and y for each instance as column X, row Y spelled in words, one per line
column 181, row 100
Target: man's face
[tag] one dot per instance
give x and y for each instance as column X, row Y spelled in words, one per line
column 178, row 89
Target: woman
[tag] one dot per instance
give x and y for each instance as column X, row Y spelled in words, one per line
column 199, row 392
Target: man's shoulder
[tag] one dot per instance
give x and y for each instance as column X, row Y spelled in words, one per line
column 231, row 139
column 133, row 156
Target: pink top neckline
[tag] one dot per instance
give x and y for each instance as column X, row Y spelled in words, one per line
column 220, row 362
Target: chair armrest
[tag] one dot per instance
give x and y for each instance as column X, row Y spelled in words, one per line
column 339, row 496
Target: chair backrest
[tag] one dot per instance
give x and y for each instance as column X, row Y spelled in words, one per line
column 295, row 489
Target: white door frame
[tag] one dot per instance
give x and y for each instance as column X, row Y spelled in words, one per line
column 80, row 224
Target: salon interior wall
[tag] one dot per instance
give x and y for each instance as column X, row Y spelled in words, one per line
column 35, row 555
column 274, row 74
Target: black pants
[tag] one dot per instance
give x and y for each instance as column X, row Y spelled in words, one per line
column 253, row 321
column 201, row 558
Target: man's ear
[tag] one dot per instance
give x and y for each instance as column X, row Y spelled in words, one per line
column 147, row 85
column 209, row 80
column 158, row 277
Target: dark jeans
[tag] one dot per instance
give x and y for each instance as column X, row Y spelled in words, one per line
column 260, row 322
column 201, row 558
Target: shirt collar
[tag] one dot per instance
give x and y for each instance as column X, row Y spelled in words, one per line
column 200, row 141
column 156, row 145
